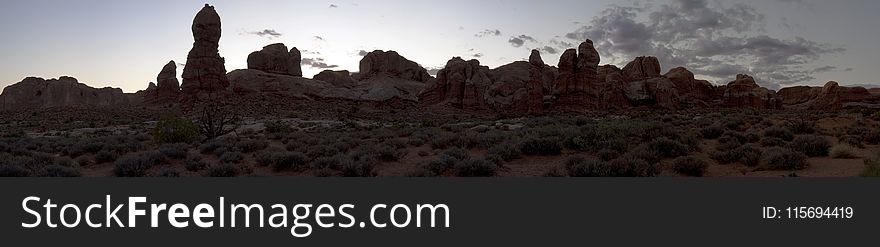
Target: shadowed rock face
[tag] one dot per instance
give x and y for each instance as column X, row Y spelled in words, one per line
column 166, row 90
column 390, row 64
column 205, row 70
column 35, row 92
column 692, row 92
column 577, row 86
column 340, row 78
column 461, row 84
column 830, row 96
column 275, row 58
column 744, row 92
column 642, row 68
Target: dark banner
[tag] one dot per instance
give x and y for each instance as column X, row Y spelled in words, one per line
column 437, row 212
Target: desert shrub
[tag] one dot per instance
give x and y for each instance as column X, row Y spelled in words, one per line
column 289, row 160
column 690, row 166
column 749, row 155
column 506, row 150
column 59, row 171
column 221, row 170
column 540, row 146
column 333, row 163
column 83, row 161
column 779, row 132
column 872, row 167
column 852, row 140
column 168, row 173
column 249, row 146
column 194, row 163
column 14, row 171
column 457, row 153
column 174, row 151
column 173, row 128
column 105, row 156
column 447, row 140
column 813, row 146
column 773, row 142
column 210, row 147
column 363, row 167
column 579, row 166
column 278, row 127
column 784, row 159
column 643, row 152
column 607, row 154
column 132, row 166
column 476, row 168
column 843, row 151
column 668, row 148
column 441, row 164
column 801, row 127
column 872, row 138
column 318, row 151
column 231, row 157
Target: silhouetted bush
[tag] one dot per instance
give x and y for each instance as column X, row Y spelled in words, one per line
column 690, row 166
column 194, row 163
column 872, row 167
column 813, row 146
column 784, row 159
column 852, row 140
column 174, row 151
column 289, row 161
column 749, row 155
column 59, row 171
column 173, row 128
column 801, row 127
column 773, row 142
column 134, row 165
column 13, row 171
column 278, row 127
column 359, row 168
column 105, row 156
column 607, row 154
column 668, row 148
column 506, row 150
column 540, row 146
column 579, row 166
column 476, row 168
column 249, row 146
column 168, row 173
column 779, row 132
column 231, row 157
column 210, row 146
column 843, row 151
column 221, row 170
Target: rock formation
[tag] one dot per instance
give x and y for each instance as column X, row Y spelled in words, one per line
column 744, row 92
column 390, row 64
column 35, row 92
column 577, row 86
column 642, row 68
column 340, row 78
column 461, row 84
column 692, row 92
column 167, row 88
column 275, row 58
column 205, row 70
column 829, row 97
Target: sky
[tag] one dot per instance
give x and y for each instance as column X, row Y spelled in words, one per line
column 125, row 43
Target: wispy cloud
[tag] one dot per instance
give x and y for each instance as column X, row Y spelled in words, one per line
column 270, row 33
column 488, row 32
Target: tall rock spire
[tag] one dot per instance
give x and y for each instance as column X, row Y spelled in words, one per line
column 205, row 70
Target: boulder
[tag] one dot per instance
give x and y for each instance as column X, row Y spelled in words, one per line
column 33, row 92
column 336, row 78
column 691, row 91
column 744, row 92
column 390, row 64
column 461, row 84
column 799, row 96
column 642, row 68
column 205, row 70
column 535, row 58
column 275, row 58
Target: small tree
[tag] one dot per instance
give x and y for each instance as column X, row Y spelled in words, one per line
column 175, row 128
column 216, row 118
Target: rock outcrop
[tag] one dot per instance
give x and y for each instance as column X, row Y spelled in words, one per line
column 390, row 64
column 35, row 92
column 832, row 96
column 340, row 78
column 577, row 86
column 744, row 92
column 256, row 82
column 692, row 92
column 642, row 68
column 275, row 58
column 460, row 84
column 205, row 70
column 167, row 88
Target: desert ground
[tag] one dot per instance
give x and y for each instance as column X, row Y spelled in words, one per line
column 357, row 139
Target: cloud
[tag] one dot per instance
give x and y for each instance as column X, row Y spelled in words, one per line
column 520, row 40
column 549, row 50
column 712, row 40
column 333, row 6
column 487, row 32
column 318, row 63
column 362, row 53
column 478, row 55
column 319, row 38
column 271, row 33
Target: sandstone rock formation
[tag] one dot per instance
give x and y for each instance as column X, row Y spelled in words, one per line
column 461, row 84
column 642, row 68
column 205, row 70
column 832, row 96
column 167, row 88
column 340, row 78
column 577, row 86
column 255, row 82
column 692, row 92
column 390, row 64
column 275, row 58
column 35, row 92
column 744, row 92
